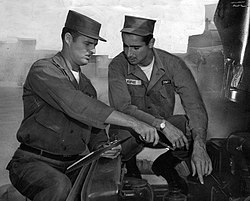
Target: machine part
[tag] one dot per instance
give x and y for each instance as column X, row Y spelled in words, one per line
column 232, row 19
column 94, row 155
column 136, row 190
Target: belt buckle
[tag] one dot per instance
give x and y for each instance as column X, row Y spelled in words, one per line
column 41, row 153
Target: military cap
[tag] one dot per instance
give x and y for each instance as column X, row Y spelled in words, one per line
column 83, row 24
column 138, row 25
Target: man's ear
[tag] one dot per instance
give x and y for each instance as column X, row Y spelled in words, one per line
column 151, row 43
column 68, row 38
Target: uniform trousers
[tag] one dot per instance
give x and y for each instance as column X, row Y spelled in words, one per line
column 40, row 178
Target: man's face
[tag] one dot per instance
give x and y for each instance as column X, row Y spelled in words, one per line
column 81, row 49
column 135, row 49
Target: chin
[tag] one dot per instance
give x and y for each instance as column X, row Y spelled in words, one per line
column 84, row 62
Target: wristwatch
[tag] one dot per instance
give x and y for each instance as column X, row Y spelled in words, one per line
column 162, row 125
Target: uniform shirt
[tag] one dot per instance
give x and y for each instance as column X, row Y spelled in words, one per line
column 76, row 75
column 148, row 69
column 59, row 113
column 131, row 92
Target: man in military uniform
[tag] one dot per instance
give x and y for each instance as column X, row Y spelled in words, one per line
column 63, row 120
column 143, row 81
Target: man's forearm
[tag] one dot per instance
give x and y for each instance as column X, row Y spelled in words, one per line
column 133, row 111
column 121, row 119
column 156, row 123
column 147, row 132
column 199, row 135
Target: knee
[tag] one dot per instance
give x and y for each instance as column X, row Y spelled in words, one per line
column 165, row 162
column 62, row 186
column 165, row 158
column 56, row 188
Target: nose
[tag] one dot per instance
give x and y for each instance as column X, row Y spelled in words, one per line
column 130, row 52
column 93, row 50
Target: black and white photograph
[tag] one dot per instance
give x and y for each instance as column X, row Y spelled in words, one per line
column 125, row 100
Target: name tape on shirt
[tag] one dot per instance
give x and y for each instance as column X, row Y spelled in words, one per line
column 166, row 82
column 133, row 82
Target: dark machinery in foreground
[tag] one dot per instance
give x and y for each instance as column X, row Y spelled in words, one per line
column 232, row 21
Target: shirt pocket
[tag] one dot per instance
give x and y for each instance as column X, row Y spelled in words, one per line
column 136, row 90
column 163, row 92
column 137, row 94
column 166, row 90
column 167, row 94
column 51, row 119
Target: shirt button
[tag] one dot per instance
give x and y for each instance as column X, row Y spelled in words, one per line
column 71, row 131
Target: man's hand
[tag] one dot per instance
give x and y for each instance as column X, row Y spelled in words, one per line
column 112, row 153
column 175, row 136
column 147, row 133
column 200, row 161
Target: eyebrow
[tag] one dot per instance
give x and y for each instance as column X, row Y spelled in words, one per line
column 91, row 42
column 125, row 45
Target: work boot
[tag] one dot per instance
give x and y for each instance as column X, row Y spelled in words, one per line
column 164, row 166
column 132, row 169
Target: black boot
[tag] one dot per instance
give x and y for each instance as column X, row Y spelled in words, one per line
column 132, row 169
column 164, row 166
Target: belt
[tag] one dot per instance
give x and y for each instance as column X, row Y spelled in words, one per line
column 40, row 152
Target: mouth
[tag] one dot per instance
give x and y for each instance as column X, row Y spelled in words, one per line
column 87, row 57
column 132, row 60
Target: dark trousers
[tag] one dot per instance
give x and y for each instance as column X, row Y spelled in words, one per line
column 40, row 178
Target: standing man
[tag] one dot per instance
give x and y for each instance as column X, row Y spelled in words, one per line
column 143, row 81
column 62, row 117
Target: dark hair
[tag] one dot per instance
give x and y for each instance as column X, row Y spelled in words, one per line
column 147, row 38
column 74, row 33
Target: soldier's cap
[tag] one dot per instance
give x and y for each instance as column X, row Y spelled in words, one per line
column 84, row 25
column 138, row 25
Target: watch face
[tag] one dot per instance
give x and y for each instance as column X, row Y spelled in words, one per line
column 162, row 125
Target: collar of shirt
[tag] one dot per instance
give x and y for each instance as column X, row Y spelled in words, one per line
column 76, row 75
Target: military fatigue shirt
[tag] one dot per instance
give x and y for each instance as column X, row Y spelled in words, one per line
column 59, row 113
column 132, row 93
